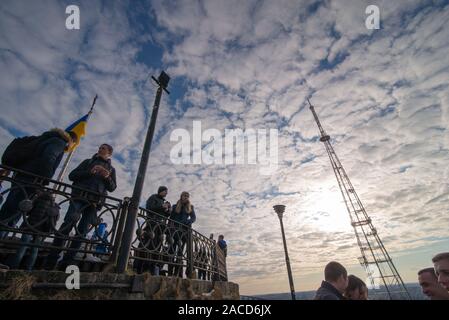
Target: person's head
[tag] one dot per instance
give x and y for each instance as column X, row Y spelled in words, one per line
column 162, row 191
column 184, row 201
column 336, row 274
column 428, row 281
column 185, row 197
column 105, row 151
column 73, row 139
column 441, row 265
column 356, row 289
column 221, row 237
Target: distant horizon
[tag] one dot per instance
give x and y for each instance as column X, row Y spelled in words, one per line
column 288, row 292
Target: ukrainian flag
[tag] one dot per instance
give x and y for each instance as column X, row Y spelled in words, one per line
column 79, row 127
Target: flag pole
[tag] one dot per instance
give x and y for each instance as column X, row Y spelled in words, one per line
column 70, row 155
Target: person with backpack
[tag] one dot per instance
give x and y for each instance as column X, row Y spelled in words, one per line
column 98, row 176
column 42, row 218
column 100, row 234
column 38, row 155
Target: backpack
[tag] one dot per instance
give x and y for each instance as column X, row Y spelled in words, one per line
column 20, row 150
column 45, row 212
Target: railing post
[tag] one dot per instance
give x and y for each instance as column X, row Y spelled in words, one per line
column 190, row 253
column 119, row 231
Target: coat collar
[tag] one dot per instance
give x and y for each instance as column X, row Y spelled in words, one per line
column 331, row 288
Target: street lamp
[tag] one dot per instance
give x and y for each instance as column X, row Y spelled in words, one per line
column 128, row 232
column 279, row 209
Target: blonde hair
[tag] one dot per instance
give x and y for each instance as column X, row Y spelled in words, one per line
column 179, row 204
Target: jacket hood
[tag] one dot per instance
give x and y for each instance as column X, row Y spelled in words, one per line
column 63, row 134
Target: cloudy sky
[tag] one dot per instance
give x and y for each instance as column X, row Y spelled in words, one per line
column 381, row 94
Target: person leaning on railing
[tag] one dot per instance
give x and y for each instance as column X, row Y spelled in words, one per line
column 37, row 155
column 97, row 175
column 184, row 214
column 156, row 217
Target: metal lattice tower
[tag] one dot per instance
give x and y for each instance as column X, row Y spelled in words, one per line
column 375, row 258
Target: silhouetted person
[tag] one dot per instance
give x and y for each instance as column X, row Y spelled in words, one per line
column 428, row 281
column 42, row 158
column 43, row 218
column 441, row 265
column 356, row 289
column 184, row 214
column 334, row 284
column 157, row 214
column 97, row 175
column 222, row 244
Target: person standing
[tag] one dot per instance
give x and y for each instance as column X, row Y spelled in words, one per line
column 441, row 265
column 97, row 175
column 356, row 289
column 428, row 281
column 36, row 155
column 183, row 213
column 222, row 244
column 334, row 284
column 158, row 210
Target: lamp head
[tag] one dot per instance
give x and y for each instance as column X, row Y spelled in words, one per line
column 163, row 79
column 279, row 209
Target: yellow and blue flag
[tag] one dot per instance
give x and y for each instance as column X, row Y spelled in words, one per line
column 79, row 127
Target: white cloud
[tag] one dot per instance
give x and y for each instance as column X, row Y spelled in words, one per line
column 252, row 64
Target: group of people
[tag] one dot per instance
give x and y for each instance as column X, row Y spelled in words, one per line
column 44, row 154
column 337, row 285
column 41, row 156
column 172, row 222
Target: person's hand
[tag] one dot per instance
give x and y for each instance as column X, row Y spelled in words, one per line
column 105, row 173
column 95, row 169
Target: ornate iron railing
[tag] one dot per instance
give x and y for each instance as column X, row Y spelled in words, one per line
column 175, row 249
column 159, row 242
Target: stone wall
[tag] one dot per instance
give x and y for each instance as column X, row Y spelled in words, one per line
column 50, row 285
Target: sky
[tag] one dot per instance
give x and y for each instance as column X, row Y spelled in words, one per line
column 381, row 94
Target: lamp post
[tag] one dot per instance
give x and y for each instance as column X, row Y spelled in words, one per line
column 128, row 232
column 279, row 209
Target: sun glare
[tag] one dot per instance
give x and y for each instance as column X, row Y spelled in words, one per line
column 328, row 212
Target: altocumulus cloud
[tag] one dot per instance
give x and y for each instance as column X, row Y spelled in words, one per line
column 381, row 94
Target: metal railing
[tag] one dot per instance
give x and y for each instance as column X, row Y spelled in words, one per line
column 175, row 249
column 51, row 231
column 160, row 244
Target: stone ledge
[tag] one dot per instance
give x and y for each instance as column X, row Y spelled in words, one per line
column 50, row 285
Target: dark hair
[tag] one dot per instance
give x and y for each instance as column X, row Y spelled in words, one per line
column 161, row 189
column 441, row 256
column 333, row 271
column 428, row 270
column 354, row 283
column 109, row 147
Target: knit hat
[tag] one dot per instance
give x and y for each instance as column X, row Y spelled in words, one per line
column 161, row 189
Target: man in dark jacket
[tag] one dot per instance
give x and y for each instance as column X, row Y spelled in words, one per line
column 43, row 162
column 157, row 214
column 334, row 284
column 98, row 176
